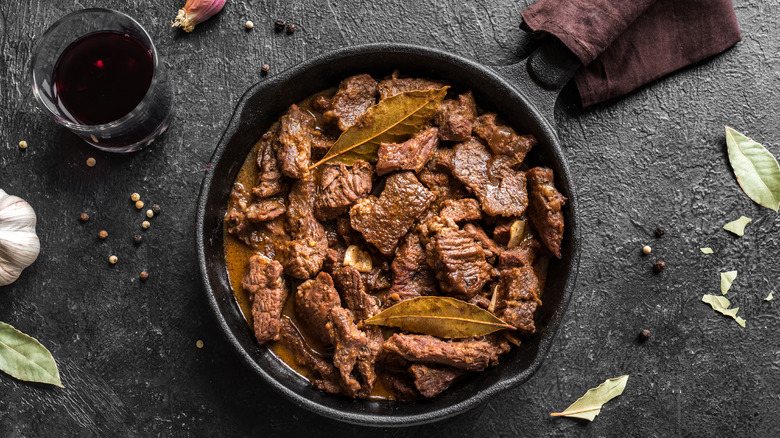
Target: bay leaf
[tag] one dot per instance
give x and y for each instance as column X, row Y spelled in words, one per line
column 444, row 317
column 706, row 250
column 756, row 169
column 394, row 119
column 726, row 279
column 721, row 304
column 769, row 297
column 24, row 358
column 589, row 405
column 738, row 226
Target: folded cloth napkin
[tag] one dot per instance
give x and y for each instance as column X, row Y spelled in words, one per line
column 624, row 44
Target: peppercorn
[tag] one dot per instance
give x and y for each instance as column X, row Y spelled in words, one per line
column 22, row 144
column 103, row 234
column 646, row 249
column 249, row 25
column 113, row 259
column 644, row 335
column 139, row 205
column 149, row 213
column 143, row 275
column 659, row 266
column 145, row 224
column 659, row 231
column 137, row 239
column 279, row 25
column 135, row 197
column 91, row 162
column 290, row 28
column 265, row 69
column 199, row 344
column 84, row 217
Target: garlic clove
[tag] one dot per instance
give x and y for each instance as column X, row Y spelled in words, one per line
column 195, row 12
column 359, row 259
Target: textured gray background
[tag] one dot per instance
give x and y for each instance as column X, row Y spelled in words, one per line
column 126, row 350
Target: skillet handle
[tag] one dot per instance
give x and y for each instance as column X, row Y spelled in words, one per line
column 543, row 74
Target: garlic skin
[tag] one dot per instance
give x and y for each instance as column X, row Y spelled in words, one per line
column 195, row 12
column 19, row 244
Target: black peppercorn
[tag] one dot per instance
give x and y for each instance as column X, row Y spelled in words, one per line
column 144, row 275
column 279, row 25
column 156, row 209
column 265, row 69
column 659, row 231
column 290, row 28
column 137, row 239
column 84, row 217
column 644, row 335
column 659, row 266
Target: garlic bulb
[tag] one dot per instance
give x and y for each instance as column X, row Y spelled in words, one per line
column 195, row 12
column 19, row 245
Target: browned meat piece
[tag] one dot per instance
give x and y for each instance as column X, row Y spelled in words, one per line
column 442, row 159
column 320, row 144
column 443, row 186
column 502, row 139
column 269, row 175
column 376, row 279
column 349, row 283
column 482, row 298
column 354, row 349
column 459, row 262
column 356, row 94
column 321, row 103
column 325, row 375
column 396, row 85
column 412, row 277
column 340, row 187
column 478, row 234
column 344, row 228
column 385, row 220
column 470, row 354
column 431, row 380
column 501, row 191
column 239, row 226
column 293, row 146
column 412, row 154
column 456, row 118
column 303, row 256
column 523, row 255
column 503, row 230
column 517, row 298
column 545, row 205
column 265, row 209
column 461, row 210
column 265, row 285
column 313, row 302
column 401, row 385
column 334, row 259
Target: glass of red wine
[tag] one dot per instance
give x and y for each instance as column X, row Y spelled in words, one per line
column 97, row 73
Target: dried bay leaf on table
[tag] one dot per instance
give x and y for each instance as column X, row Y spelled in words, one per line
column 721, row 304
column 738, row 226
column 394, row 119
column 444, row 317
column 589, row 405
column 756, row 169
column 25, row 358
column 726, row 279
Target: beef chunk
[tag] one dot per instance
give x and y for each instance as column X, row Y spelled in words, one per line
column 470, row 354
column 501, row 191
column 349, row 283
column 313, row 302
column 456, row 118
column 459, row 262
column 431, row 380
column 461, row 210
column 320, row 144
column 269, row 175
column 238, row 225
column 503, row 230
column 293, row 146
column 412, row 277
column 545, row 205
column 356, row 94
column 345, row 231
column 334, row 259
column 502, row 139
column 522, row 255
column 376, row 279
column 385, row 220
column 354, row 349
column 400, row 384
column 478, row 234
column 265, row 209
column 412, row 154
column 340, row 187
column 265, row 285
column 303, row 256
column 517, row 298
column 396, row 85
column 325, row 377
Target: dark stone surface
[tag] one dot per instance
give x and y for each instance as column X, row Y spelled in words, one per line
column 126, row 349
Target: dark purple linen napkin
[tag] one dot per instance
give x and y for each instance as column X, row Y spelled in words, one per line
column 626, row 44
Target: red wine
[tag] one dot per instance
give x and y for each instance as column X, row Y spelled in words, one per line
column 103, row 76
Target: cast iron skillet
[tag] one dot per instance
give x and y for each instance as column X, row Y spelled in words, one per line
column 509, row 91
